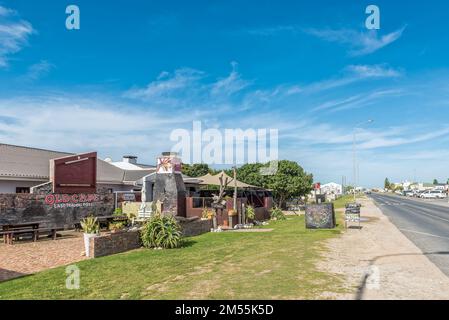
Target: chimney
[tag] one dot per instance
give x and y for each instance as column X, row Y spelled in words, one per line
column 130, row 159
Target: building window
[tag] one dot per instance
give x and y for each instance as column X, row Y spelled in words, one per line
column 22, row 190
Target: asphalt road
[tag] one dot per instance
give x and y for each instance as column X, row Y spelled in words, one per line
column 425, row 223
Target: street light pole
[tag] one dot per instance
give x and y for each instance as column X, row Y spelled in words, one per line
column 354, row 156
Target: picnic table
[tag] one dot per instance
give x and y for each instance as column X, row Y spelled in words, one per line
column 14, row 230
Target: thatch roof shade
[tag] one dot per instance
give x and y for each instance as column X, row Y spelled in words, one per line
column 209, row 179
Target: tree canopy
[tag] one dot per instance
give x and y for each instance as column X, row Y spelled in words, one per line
column 387, row 184
column 195, row 170
column 289, row 181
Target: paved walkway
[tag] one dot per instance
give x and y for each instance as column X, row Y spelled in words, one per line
column 379, row 262
column 24, row 258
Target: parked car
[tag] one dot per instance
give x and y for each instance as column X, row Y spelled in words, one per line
column 408, row 193
column 433, row 194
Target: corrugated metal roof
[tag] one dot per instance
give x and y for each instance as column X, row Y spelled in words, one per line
column 33, row 163
column 25, row 162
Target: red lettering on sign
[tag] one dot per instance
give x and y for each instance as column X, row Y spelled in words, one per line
column 66, row 198
column 75, row 198
column 50, row 199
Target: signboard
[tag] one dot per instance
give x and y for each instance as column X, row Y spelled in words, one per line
column 74, row 174
column 320, row 216
column 129, row 197
column 168, row 164
column 71, row 200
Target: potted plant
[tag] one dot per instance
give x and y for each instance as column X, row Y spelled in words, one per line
column 91, row 228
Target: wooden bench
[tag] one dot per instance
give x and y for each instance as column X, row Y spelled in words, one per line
column 9, row 235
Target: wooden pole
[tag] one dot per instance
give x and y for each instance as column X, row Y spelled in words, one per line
column 235, row 189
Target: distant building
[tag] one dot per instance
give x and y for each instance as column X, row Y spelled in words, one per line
column 332, row 188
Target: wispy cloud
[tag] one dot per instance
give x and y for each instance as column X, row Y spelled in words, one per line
column 188, row 86
column 231, row 84
column 14, row 34
column 38, row 71
column 350, row 75
column 359, row 42
column 357, row 101
column 4, row 12
column 167, row 85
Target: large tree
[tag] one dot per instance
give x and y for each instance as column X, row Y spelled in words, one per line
column 290, row 180
column 435, row 181
column 195, row 170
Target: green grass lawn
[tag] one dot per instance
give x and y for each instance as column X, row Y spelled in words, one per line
column 280, row 264
column 342, row 201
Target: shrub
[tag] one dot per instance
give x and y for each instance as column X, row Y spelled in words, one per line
column 118, row 212
column 250, row 213
column 90, row 225
column 277, row 214
column 207, row 213
column 115, row 226
column 161, row 232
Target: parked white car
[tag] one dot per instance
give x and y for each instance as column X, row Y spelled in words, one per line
column 433, row 194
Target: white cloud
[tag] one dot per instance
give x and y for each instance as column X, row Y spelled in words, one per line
column 358, row 101
column 13, row 35
column 38, row 70
column 187, row 87
column 4, row 12
column 167, row 85
column 374, row 71
column 359, row 43
column 231, row 84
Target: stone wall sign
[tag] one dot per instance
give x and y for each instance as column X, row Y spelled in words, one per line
column 320, row 216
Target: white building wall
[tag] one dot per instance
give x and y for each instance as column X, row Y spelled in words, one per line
column 9, row 186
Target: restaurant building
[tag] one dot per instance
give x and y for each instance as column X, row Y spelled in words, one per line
column 22, row 168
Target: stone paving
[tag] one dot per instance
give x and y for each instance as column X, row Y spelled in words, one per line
column 26, row 257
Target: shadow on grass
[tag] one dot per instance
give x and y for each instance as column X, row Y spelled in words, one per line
column 6, row 275
column 188, row 243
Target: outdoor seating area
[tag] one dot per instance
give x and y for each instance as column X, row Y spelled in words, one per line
column 14, row 232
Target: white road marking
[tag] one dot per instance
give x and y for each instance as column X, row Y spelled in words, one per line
column 430, row 215
column 424, row 233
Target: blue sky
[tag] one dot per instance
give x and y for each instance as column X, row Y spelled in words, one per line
column 136, row 70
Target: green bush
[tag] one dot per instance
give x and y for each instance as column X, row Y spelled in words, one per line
column 277, row 214
column 250, row 213
column 161, row 232
column 118, row 212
